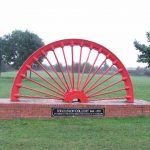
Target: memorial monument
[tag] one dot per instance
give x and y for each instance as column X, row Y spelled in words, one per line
column 77, row 78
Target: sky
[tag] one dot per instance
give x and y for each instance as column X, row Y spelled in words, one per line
column 114, row 24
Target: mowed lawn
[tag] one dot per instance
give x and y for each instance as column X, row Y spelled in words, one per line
column 76, row 133
column 141, row 85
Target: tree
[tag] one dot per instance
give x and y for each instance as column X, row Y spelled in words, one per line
column 144, row 50
column 18, row 46
column 104, row 67
column 1, row 53
column 57, row 67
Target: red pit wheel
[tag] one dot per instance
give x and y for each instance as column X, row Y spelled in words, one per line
column 73, row 70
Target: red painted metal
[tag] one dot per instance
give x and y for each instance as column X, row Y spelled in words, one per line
column 84, row 67
column 93, row 94
column 79, row 65
column 93, row 86
column 42, row 85
column 72, row 95
column 60, row 90
column 94, row 73
column 54, row 69
column 104, row 93
column 67, row 67
column 72, row 67
column 48, row 73
column 86, row 80
column 66, row 84
column 38, row 91
column 70, row 85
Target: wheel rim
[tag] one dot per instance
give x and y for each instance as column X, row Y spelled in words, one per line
column 73, row 69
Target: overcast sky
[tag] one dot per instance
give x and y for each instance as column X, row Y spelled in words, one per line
column 114, row 24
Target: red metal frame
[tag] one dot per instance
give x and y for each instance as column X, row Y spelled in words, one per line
column 68, row 90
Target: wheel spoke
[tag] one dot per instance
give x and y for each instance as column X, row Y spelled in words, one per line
column 84, row 68
column 54, row 69
column 95, row 72
column 67, row 67
column 72, row 67
column 41, row 97
column 86, row 80
column 109, row 92
column 79, row 66
column 48, row 73
column 40, row 84
column 92, row 87
column 66, row 84
column 39, row 91
column 60, row 90
column 106, row 87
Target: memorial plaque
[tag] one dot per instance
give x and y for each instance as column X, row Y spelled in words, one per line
column 58, row 112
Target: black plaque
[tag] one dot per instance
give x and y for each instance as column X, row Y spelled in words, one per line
column 58, row 112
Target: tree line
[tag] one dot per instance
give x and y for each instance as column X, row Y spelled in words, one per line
column 17, row 46
column 139, row 71
column 84, row 66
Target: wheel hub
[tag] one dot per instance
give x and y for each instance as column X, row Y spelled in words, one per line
column 73, row 95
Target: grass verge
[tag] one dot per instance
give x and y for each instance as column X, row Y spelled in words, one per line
column 76, row 134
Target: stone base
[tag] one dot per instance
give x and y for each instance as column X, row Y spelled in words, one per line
column 42, row 109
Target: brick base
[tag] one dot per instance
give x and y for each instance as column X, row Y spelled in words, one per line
column 41, row 109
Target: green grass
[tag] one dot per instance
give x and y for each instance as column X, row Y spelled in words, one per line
column 141, row 85
column 5, row 87
column 76, row 134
